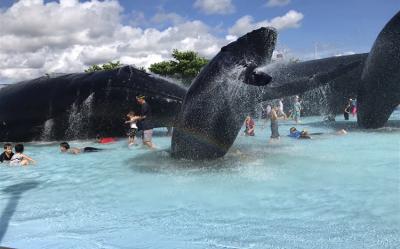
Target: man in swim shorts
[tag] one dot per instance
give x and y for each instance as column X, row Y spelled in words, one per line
column 145, row 121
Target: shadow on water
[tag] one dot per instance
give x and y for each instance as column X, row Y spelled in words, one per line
column 15, row 191
column 240, row 155
column 162, row 162
column 390, row 126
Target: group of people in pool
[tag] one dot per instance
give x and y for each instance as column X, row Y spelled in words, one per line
column 274, row 114
column 133, row 119
column 18, row 158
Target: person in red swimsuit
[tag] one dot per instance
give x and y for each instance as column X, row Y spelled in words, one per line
column 105, row 140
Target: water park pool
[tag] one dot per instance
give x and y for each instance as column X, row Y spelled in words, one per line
column 328, row 192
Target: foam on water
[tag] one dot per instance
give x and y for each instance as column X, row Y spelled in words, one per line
column 328, row 192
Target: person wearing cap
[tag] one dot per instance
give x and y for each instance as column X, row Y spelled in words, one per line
column 144, row 121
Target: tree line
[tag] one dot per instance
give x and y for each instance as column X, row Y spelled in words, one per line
column 184, row 66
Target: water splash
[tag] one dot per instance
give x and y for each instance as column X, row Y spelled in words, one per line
column 316, row 101
column 47, row 130
column 79, row 118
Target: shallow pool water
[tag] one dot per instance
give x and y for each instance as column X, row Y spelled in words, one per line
column 328, row 192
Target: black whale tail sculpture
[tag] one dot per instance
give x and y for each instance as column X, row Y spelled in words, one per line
column 221, row 96
column 379, row 91
column 217, row 101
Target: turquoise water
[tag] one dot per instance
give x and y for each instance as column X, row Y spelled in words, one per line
column 328, row 192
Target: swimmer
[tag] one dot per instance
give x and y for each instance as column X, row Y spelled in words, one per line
column 7, row 154
column 64, row 147
column 294, row 133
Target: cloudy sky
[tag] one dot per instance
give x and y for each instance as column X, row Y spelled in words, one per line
column 48, row 36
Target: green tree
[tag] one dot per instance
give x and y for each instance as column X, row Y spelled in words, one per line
column 105, row 67
column 185, row 66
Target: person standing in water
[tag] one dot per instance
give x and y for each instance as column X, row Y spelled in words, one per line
column 144, row 121
column 281, row 113
column 346, row 110
column 274, row 123
column 132, row 127
column 296, row 109
column 353, row 103
column 266, row 115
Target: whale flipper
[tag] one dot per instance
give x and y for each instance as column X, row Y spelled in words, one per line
column 296, row 78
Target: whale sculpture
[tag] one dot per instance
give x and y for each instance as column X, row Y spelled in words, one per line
column 208, row 115
column 220, row 98
column 217, row 101
column 83, row 105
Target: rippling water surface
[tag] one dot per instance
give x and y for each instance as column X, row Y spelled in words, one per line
column 328, row 192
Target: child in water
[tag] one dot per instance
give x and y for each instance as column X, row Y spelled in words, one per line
column 249, row 122
column 20, row 159
column 64, row 147
column 132, row 120
column 7, row 154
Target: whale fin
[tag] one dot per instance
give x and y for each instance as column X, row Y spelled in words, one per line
column 255, row 78
column 294, row 79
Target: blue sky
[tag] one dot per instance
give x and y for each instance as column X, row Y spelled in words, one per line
column 342, row 24
column 333, row 27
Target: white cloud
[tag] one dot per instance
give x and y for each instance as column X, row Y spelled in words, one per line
column 163, row 17
column 215, row 6
column 246, row 23
column 274, row 3
column 69, row 36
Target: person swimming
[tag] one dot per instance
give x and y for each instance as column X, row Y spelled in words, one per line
column 64, row 147
column 294, row 133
